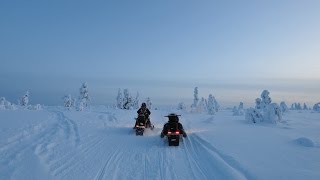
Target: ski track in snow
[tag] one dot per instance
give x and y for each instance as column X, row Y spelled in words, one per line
column 37, row 139
column 69, row 126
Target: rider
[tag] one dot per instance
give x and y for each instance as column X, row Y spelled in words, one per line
column 173, row 121
column 144, row 111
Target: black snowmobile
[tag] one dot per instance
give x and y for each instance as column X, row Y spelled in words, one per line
column 173, row 130
column 141, row 124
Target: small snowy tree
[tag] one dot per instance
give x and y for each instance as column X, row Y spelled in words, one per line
column 84, row 95
column 316, row 107
column 265, row 110
column 24, row 100
column 216, row 104
column 136, row 102
column 272, row 113
column 259, row 104
column 68, row 102
column 148, row 103
column 181, row 106
column 202, row 105
column 2, row 103
column 195, row 99
column 305, row 107
column 127, row 100
column 239, row 111
column 253, row 115
column 81, row 105
column 211, row 107
column 234, row 109
column 119, row 99
column 265, row 99
column 283, row 107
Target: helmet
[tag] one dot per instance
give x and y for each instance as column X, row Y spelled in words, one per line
column 173, row 117
column 143, row 105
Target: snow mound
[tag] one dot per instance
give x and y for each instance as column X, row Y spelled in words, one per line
column 303, row 141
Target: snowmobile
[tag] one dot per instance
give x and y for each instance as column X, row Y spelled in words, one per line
column 173, row 130
column 141, row 124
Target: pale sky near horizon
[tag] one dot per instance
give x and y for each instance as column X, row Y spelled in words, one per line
column 162, row 49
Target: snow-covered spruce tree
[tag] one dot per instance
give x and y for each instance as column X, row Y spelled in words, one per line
column 211, row 106
column 136, row 102
column 24, row 100
column 202, row 105
column 259, row 104
column 292, row 107
column 195, row 99
column 181, row 106
column 305, row 107
column 68, row 102
column 239, row 111
column 84, row 97
column 283, row 107
column 234, row 109
column 265, row 99
column 148, row 103
column 127, row 100
column 2, row 103
column 119, row 100
column 270, row 112
column 217, row 106
column 316, row 107
column 253, row 115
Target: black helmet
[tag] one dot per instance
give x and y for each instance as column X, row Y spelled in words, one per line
column 173, row 117
column 143, row 105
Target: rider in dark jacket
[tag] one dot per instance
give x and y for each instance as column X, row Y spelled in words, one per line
column 173, row 121
column 144, row 111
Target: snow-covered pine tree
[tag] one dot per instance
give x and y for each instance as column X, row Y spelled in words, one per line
column 266, row 100
column 305, row 107
column 211, row 105
column 298, row 106
column 239, row 111
column 2, row 103
column 216, row 104
column 259, row 104
column 283, row 107
column 316, row 107
column 265, row 110
column 84, row 97
column 234, row 109
column 253, row 115
column 195, row 99
column 127, row 100
column 24, row 100
column 202, row 106
column 181, row 106
column 5, row 104
column 68, row 102
column 148, row 103
column 136, row 102
column 119, row 99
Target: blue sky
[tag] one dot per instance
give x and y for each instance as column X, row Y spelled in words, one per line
column 163, row 49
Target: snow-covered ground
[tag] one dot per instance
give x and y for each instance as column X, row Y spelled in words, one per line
column 100, row 143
